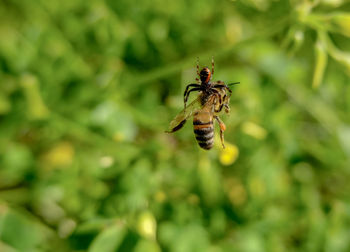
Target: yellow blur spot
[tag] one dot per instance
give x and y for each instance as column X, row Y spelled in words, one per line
column 254, row 130
column 106, row 161
column 228, row 155
column 118, row 137
column 147, row 225
column 160, row 196
column 3, row 208
column 60, row 155
column 233, row 29
column 235, row 191
column 257, row 186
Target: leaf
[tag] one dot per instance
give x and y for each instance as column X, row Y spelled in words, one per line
column 36, row 106
column 340, row 56
column 338, row 22
column 147, row 245
column 109, row 239
column 320, row 63
column 21, row 232
column 147, row 225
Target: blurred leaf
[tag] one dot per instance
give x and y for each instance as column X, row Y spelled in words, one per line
column 191, row 237
column 147, row 225
column 338, row 55
column 88, row 88
column 16, row 162
column 335, row 22
column 254, row 130
column 5, row 105
column 109, row 239
column 209, row 178
column 36, row 106
column 344, row 137
column 5, row 248
column 20, row 232
column 114, row 120
column 146, row 245
column 320, row 63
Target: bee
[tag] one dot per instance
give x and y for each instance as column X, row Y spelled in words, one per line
column 212, row 98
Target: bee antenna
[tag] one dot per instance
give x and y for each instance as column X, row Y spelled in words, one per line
column 231, row 84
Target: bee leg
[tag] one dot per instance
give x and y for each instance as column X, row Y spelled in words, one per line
column 226, row 103
column 225, row 99
column 217, row 106
column 212, row 65
column 221, row 84
column 176, row 128
column 218, row 94
column 187, row 93
column 222, row 129
column 220, row 108
column 227, row 108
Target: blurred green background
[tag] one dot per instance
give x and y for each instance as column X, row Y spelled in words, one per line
column 87, row 89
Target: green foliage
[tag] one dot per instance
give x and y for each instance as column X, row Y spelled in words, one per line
column 89, row 87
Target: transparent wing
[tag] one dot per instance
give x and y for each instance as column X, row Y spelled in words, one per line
column 185, row 114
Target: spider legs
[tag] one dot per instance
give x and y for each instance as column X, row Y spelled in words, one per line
column 187, row 93
column 190, row 85
column 212, row 65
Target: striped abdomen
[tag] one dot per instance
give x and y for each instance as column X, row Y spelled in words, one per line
column 204, row 129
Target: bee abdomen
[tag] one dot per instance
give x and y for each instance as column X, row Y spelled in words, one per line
column 204, row 134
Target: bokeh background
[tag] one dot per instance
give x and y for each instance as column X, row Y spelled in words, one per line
column 87, row 89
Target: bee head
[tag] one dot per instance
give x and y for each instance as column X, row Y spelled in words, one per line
column 205, row 75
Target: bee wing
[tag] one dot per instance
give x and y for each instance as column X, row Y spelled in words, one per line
column 186, row 113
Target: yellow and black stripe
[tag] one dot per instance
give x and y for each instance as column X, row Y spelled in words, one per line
column 204, row 132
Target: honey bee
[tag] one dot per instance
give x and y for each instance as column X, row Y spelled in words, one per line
column 212, row 98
